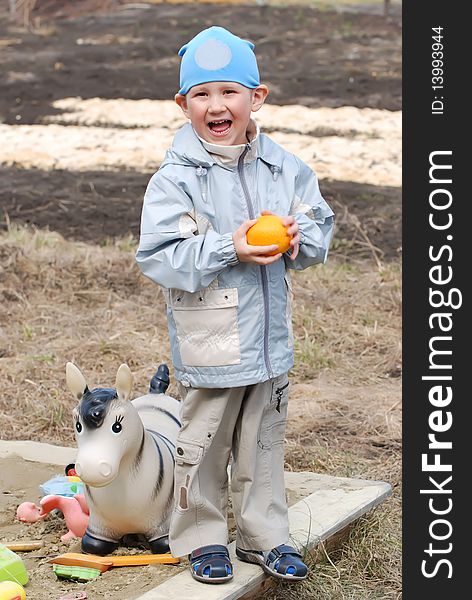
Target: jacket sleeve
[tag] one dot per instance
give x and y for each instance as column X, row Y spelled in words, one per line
column 315, row 220
column 171, row 252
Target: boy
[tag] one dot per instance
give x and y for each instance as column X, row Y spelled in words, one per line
column 229, row 306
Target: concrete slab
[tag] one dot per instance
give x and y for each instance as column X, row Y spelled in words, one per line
column 38, row 452
column 327, row 505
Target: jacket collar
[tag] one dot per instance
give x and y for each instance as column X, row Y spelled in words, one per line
column 188, row 150
column 229, row 155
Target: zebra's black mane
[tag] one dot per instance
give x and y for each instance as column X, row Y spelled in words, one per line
column 95, row 404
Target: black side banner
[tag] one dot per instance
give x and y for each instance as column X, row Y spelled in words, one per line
column 436, row 249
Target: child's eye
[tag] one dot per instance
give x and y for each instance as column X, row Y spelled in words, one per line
column 200, row 94
column 230, row 91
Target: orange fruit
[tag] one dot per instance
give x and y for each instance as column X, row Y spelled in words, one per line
column 269, row 230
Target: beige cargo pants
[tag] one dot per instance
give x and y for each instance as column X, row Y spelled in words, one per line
column 249, row 424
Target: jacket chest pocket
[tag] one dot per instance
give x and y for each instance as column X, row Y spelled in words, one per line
column 207, row 327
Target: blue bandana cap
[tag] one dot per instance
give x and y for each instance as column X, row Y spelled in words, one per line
column 215, row 54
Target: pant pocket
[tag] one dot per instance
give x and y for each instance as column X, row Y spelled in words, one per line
column 274, row 418
column 188, row 452
column 207, row 327
column 188, row 456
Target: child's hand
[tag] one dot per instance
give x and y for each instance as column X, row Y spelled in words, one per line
column 252, row 254
column 292, row 230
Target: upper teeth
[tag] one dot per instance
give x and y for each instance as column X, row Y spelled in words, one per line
column 220, row 121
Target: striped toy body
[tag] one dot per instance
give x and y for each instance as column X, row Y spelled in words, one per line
column 125, row 457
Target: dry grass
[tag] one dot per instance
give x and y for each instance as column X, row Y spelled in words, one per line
column 366, row 567
column 347, row 317
column 65, row 301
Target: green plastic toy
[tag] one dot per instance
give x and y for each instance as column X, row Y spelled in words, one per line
column 76, row 573
column 12, row 567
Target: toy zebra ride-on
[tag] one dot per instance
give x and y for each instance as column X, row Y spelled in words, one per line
column 125, row 457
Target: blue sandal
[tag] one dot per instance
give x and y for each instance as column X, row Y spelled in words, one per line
column 211, row 564
column 283, row 562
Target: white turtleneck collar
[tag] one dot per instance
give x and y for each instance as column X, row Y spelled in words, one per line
column 229, row 155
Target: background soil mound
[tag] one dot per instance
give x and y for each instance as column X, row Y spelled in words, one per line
column 310, row 57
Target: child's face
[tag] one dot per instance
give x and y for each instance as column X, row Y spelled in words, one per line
column 220, row 111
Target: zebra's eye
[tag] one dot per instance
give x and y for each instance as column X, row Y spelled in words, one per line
column 78, row 426
column 116, row 427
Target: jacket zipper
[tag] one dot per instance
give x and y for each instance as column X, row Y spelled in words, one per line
column 265, row 293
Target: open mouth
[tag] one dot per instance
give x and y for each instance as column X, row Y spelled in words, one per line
column 220, row 127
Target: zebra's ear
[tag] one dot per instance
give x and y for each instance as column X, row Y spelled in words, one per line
column 124, row 382
column 75, row 380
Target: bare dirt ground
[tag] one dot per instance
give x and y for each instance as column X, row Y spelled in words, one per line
column 85, row 116
column 306, row 56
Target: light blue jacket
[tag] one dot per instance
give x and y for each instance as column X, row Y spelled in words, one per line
column 229, row 322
